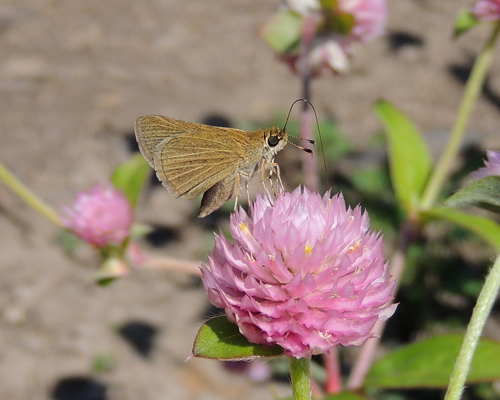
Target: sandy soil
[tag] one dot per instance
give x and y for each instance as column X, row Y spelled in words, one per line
column 74, row 75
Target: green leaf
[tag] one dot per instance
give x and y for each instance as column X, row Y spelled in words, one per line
column 138, row 231
column 104, row 362
column 485, row 228
column 428, row 364
column 131, row 176
column 408, row 156
column 464, row 22
column 484, row 193
column 283, row 31
column 111, row 269
column 68, row 241
column 331, row 4
column 338, row 22
column 220, row 339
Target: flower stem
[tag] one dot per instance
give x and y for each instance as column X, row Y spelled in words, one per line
column 169, row 264
column 472, row 91
column 301, row 378
column 306, row 132
column 28, row 196
column 481, row 311
column 333, row 382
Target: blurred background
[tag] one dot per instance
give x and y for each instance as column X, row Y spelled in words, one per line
column 74, row 75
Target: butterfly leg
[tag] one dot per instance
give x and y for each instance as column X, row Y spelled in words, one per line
column 276, row 169
column 248, row 197
column 278, row 174
column 237, row 191
column 271, row 170
column 263, row 170
column 270, row 166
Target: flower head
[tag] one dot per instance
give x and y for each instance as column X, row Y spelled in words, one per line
column 491, row 168
column 486, row 10
column 100, row 217
column 340, row 25
column 305, row 273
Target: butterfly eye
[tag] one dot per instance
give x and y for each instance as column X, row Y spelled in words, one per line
column 273, row 141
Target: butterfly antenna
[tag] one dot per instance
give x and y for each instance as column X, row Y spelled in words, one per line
column 309, row 151
column 308, row 140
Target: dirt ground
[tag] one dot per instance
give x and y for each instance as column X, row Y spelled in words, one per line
column 75, row 74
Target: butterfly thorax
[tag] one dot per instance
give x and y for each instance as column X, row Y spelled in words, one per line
column 263, row 145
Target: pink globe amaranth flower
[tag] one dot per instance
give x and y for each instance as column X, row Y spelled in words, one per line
column 305, row 273
column 100, row 217
column 333, row 46
column 486, row 10
column 369, row 18
column 491, row 168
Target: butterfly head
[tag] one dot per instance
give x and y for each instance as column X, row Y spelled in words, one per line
column 275, row 139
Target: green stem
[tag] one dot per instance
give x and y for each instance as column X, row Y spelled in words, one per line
column 485, row 301
column 301, row 378
column 28, row 196
column 472, row 91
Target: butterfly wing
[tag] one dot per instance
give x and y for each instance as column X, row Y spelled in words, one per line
column 188, row 166
column 151, row 130
column 190, row 158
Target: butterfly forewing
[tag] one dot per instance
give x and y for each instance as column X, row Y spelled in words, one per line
column 189, row 158
column 190, row 164
column 151, row 130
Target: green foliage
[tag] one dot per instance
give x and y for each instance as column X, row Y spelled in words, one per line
column 371, row 181
column 220, row 339
column 139, row 230
column 283, row 31
column 336, row 21
column 332, row 4
column 409, row 159
column 464, row 22
column 112, row 268
column 103, row 362
column 484, row 193
column 131, row 176
column 485, row 228
column 68, row 241
column 429, row 363
column 371, row 187
column 485, row 391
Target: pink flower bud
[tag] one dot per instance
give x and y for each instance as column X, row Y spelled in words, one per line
column 305, row 273
column 333, row 47
column 486, row 10
column 100, row 217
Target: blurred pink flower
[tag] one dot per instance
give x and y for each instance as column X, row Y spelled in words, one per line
column 100, row 217
column 305, row 273
column 344, row 25
column 491, row 168
column 486, row 10
column 369, row 18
